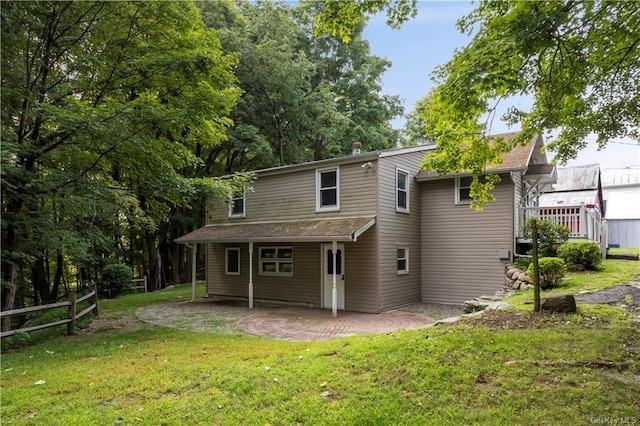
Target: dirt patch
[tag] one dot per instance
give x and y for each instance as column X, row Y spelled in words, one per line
column 125, row 323
column 202, row 316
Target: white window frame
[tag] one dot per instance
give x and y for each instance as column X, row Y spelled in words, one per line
column 276, row 260
column 458, row 187
column 406, row 190
column 405, row 258
column 232, row 199
column 320, row 208
column 226, row 260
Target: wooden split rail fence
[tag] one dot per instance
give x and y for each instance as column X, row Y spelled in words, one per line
column 72, row 315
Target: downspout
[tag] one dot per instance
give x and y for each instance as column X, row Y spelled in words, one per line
column 250, row 274
column 194, row 248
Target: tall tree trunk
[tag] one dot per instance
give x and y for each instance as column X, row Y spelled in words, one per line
column 9, row 293
column 59, row 274
column 318, row 148
column 40, row 279
column 153, row 279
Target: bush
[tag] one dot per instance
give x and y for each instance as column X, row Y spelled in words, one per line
column 550, row 236
column 116, row 278
column 522, row 263
column 551, row 271
column 581, row 255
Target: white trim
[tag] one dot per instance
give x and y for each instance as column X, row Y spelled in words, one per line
column 336, row 207
column 276, row 260
column 457, row 191
column 226, row 260
column 244, row 206
column 406, row 190
column 405, row 258
column 400, row 151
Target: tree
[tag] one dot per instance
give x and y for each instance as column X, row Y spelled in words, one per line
column 104, row 107
column 578, row 60
column 304, row 98
column 342, row 18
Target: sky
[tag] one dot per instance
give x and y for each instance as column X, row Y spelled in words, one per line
column 429, row 40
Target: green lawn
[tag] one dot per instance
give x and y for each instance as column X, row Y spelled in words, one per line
column 519, row 369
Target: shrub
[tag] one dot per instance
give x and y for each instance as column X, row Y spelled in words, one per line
column 581, row 255
column 116, row 278
column 550, row 236
column 551, row 271
column 522, row 263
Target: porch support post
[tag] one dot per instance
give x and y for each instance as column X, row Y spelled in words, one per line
column 194, row 252
column 250, row 274
column 334, row 290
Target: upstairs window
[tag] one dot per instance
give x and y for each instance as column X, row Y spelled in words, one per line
column 328, row 189
column 463, row 190
column 237, row 205
column 402, row 191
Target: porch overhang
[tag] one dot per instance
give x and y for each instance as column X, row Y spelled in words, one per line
column 341, row 229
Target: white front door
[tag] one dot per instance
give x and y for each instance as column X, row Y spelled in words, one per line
column 327, row 275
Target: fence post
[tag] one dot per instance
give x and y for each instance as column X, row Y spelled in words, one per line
column 145, row 283
column 71, row 325
column 94, row 299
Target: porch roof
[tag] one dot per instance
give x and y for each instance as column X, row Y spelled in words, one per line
column 303, row 230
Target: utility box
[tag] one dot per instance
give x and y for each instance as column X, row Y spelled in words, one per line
column 504, row 254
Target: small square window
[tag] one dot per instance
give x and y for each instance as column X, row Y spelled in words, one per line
column 402, row 191
column 402, row 257
column 232, row 261
column 237, row 205
column 328, row 189
column 463, row 190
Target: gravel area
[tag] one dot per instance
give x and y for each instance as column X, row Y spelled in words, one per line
column 436, row 311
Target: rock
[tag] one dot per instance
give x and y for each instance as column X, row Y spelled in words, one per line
column 516, row 285
column 559, row 303
column 512, row 272
column 522, row 277
column 487, row 298
column 526, row 286
column 473, row 306
column 497, row 306
column 526, row 279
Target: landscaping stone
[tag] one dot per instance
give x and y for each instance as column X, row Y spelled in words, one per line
column 497, row 306
column 559, row 303
column 515, row 279
column 474, row 306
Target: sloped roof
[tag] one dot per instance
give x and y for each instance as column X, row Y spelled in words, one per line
column 338, row 229
column 627, row 176
column 519, row 158
column 572, row 198
column 577, row 178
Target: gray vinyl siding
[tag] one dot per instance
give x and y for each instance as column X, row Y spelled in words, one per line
column 361, row 274
column 293, row 196
column 624, row 233
column 398, row 229
column 303, row 287
column 460, row 245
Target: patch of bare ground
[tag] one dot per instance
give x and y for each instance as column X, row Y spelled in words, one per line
column 126, row 323
column 518, row 320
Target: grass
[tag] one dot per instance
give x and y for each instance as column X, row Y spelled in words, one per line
column 612, row 272
column 472, row 372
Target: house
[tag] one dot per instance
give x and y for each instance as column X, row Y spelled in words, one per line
column 576, row 201
column 621, row 192
column 368, row 232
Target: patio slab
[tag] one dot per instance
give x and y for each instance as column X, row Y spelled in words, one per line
column 305, row 324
